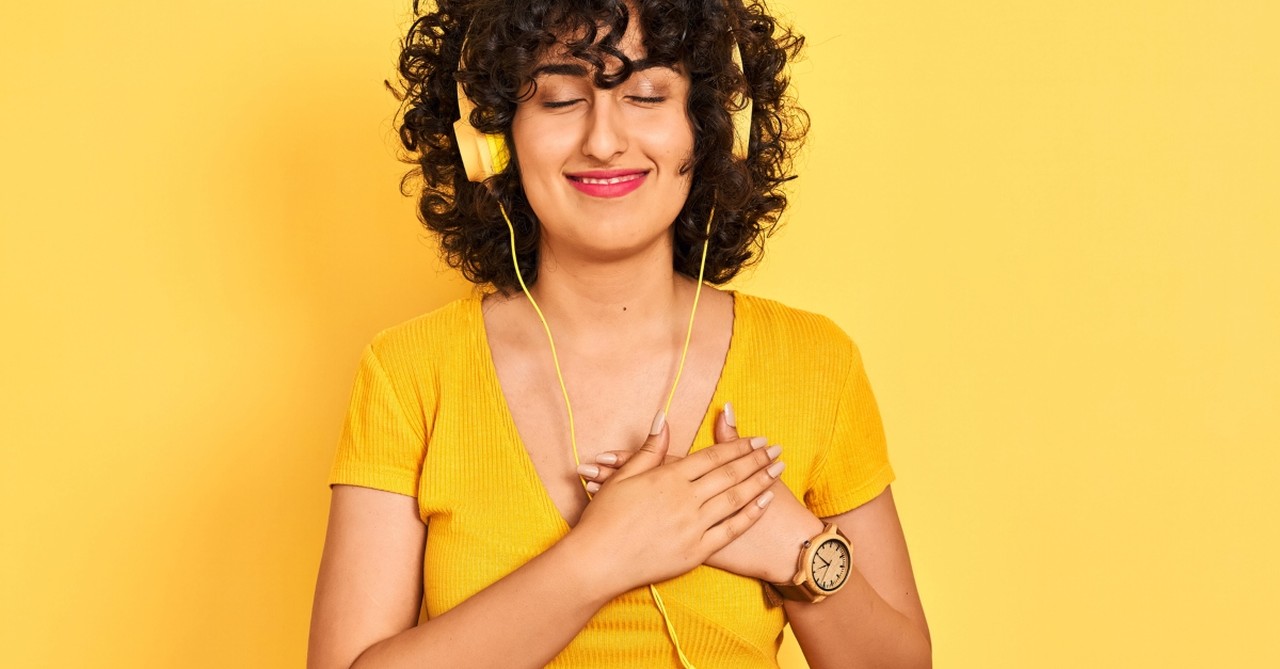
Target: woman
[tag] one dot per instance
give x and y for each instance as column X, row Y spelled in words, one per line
column 516, row 493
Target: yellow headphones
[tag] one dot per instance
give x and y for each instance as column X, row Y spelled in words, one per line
column 485, row 154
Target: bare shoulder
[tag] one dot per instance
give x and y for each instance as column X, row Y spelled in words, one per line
column 369, row 586
column 715, row 316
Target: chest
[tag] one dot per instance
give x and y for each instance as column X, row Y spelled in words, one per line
column 612, row 411
column 614, row 396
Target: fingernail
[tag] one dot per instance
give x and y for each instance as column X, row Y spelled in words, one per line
column 589, row 471
column 774, row 452
column 607, row 459
column 763, row 500
column 593, row 487
column 658, row 421
column 775, row 469
column 729, row 418
column 757, row 442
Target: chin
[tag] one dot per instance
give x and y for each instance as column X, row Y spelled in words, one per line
column 616, row 241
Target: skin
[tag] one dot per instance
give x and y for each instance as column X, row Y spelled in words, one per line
column 607, row 286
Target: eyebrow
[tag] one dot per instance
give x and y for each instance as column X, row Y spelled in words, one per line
column 570, row 69
column 576, row 70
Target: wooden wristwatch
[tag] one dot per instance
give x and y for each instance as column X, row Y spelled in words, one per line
column 824, row 566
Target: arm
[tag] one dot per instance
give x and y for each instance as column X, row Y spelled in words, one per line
column 368, row 591
column 876, row 620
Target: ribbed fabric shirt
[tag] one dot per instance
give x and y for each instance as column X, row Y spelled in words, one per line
column 428, row 419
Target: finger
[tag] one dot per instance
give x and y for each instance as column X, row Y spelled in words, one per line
column 733, row 497
column 698, row 464
column 614, row 459
column 653, row 451
column 597, row 473
column 723, row 533
column 611, row 461
column 726, row 428
column 759, row 464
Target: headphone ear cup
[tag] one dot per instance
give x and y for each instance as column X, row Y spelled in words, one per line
column 742, row 131
column 496, row 152
column 482, row 155
column 472, row 147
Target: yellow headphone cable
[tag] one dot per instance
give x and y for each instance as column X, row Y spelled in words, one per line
column 573, row 437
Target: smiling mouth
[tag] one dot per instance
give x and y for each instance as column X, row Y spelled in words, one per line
column 608, row 183
column 605, row 181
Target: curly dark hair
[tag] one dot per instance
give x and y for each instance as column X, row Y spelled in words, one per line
column 504, row 39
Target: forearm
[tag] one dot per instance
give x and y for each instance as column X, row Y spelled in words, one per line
column 522, row 620
column 857, row 628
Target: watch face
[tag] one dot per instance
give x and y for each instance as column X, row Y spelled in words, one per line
column 830, row 565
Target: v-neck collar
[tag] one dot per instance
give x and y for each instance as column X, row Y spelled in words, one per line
column 701, row 439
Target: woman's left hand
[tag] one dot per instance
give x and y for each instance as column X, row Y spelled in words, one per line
column 770, row 548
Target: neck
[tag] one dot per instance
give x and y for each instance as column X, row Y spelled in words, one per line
column 616, row 300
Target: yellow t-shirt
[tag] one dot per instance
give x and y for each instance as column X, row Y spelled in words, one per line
column 428, row 419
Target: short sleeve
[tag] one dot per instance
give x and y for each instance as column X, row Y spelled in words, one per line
column 380, row 447
column 854, row 467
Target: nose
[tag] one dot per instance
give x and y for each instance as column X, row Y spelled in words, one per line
column 606, row 135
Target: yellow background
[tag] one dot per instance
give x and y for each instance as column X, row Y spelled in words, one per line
column 1052, row 227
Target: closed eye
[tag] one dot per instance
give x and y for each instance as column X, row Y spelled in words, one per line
column 558, row 104
column 648, row 100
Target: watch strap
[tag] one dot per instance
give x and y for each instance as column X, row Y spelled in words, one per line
column 795, row 593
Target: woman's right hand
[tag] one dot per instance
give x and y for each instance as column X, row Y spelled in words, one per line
column 653, row 521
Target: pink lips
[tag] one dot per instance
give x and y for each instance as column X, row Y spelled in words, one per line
column 607, row 183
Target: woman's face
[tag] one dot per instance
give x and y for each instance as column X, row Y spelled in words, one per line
column 601, row 168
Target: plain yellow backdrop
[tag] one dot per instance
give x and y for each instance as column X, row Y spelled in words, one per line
column 1053, row 229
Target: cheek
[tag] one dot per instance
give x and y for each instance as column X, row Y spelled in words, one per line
column 539, row 169
column 683, row 139
column 673, row 142
column 538, row 146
